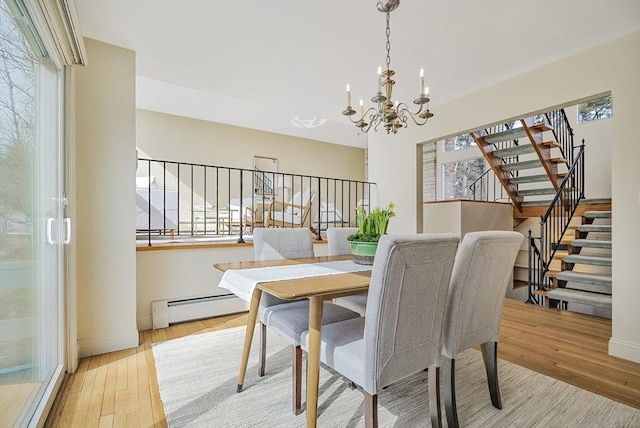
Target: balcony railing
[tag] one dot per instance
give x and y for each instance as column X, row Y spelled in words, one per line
column 178, row 201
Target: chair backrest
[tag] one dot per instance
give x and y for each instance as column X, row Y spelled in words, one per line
column 337, row 240
column 483, row 267
column 282, row 243
column 300, row 199
column 405, row 306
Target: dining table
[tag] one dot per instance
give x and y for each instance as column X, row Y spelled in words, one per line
column 316, row 286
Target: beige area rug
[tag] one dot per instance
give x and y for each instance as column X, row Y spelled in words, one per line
column 197, row 376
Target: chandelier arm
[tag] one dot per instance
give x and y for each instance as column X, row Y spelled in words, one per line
column 363, row 115
column 416, row 116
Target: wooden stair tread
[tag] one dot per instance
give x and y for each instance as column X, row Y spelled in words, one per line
column 558, row 160
column 541, row 292
column 552, row 273
column 551, row 144
column 541, row 127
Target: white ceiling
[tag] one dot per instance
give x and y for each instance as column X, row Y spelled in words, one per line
column 259, row 63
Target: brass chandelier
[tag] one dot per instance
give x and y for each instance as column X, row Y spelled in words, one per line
column 393, row 114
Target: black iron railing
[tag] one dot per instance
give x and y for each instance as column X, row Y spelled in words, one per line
column 553, row 225
column 562, row 132
column 189, row 200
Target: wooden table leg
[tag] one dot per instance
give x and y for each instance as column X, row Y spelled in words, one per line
column 248, row 335
column 313, row 359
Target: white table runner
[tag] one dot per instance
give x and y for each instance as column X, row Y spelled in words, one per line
column 242, row 282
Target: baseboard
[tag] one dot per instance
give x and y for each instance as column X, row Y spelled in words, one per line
column 89, row 347
column 627, row 350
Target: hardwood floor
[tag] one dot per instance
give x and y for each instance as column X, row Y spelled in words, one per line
column 120, row 389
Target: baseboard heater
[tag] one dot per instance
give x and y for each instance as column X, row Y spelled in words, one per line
column 165, row 312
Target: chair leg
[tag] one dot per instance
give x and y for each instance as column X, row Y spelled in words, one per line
column 297, row 380
column 263, row 349
column 490, row 356
column 434, row 396
column 448, row 373
column 370, row 410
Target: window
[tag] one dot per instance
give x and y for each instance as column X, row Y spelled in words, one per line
column 458, row 176
column 31, row 230
column 459, row 142
column 599, row 108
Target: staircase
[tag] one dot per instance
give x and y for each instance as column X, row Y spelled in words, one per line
column 527, row 159
column 585, row 276
column 542, row 173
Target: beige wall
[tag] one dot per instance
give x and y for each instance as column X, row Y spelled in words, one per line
column 171, row 274
column 461, row 217
column 613, row 67
column 105, row 200
column 167, row 137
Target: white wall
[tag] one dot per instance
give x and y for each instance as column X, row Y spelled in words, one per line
column 597, row 153
column 105, row 200
column 612, row 67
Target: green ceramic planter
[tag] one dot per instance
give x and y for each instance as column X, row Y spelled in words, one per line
column 363, row 252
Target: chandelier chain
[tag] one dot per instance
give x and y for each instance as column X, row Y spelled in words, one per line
column 388, row 32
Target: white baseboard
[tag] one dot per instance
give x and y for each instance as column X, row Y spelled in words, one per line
column 627, row 350
column 89, row 347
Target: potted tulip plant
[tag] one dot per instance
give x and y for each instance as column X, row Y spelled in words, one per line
column 370, row 228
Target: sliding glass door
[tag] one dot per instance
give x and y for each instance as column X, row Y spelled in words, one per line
column 32, row 230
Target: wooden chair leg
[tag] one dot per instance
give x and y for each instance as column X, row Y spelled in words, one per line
column 263, row 350
column 297, row 380
column 490, row 356
column 434, row 396
column 448, row 374
column 370, row 410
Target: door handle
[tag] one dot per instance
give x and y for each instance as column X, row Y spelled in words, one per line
column 49, row 231
column 67, row 230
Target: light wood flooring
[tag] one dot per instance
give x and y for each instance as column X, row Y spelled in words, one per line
column 120, row 389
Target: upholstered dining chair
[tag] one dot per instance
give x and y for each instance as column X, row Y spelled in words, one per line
column 338, row 245
column 483, row 267
column 288, row 319
column 401, row 332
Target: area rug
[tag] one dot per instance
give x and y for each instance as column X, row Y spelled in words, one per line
column 197, row 376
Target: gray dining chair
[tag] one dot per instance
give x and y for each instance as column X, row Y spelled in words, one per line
column 482, row 270
column 288, row 318
column 401, row 332
column 338, row 246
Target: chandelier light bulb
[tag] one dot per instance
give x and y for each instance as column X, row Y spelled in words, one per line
column 348, row 95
